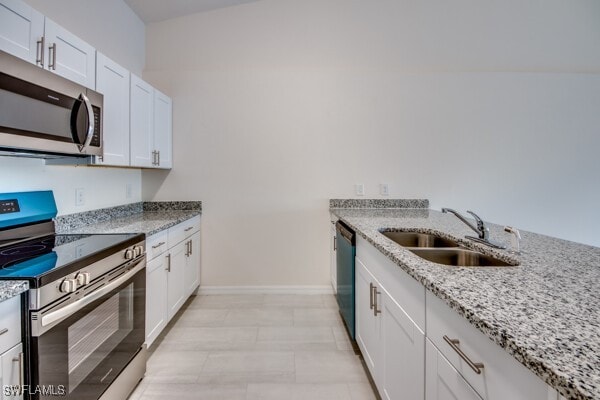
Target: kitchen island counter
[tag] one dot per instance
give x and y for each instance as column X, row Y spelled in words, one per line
column 544, row 312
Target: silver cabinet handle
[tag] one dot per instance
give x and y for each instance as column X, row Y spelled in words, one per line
column 477, row 367
column 168, row 263
column 375, row 293
column 19, row 359
column 3, row 331
column 334, row 243
column 91, row 123
column 158, row 157
column 188, row 229
column 191, row 247
column 187, row 248
column 40, row 51
column 52, row 63
column 156, row 246
column 371, row 295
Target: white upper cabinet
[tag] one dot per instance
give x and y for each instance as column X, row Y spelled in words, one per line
column 142, row 123
column 151, row 126
column 163, row 130
column 21, row 31
column 112, row 81
column 69, row 56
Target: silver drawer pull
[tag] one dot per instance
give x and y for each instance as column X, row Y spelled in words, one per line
column 477, row 367
column 156, row 246
column 188, row 229
column 371, row 294
column 3, row 331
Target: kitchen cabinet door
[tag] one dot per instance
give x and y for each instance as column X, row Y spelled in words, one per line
column 403, row 355
column 141, row 123
column 443, row 382
column 192, row 265
column 69, row 56
column 163, row 130
column 368, row 325
column 176, row 260
column 112, row 81
column 21, row 31
column 157, row 315
column 12, row 375
column 333, row 257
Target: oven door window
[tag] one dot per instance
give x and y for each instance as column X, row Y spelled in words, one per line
column 87, row 351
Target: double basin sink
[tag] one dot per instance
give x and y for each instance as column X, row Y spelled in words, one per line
column 441, row 250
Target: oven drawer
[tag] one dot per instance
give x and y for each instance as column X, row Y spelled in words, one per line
column 501, row 377
column 179, row 232
column 157, row 244
column 10, row 323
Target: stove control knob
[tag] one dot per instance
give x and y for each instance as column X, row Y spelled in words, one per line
column 138, row 250
column 83, row 278
column 129, row 255
column 68, row 286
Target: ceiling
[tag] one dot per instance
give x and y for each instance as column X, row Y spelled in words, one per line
column 160, row 10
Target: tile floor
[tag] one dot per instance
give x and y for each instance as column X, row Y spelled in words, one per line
column 255, row 347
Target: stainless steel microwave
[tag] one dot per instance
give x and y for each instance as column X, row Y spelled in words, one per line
column 45, row 115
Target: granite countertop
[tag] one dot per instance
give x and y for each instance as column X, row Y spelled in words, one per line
column 148, row 222
column 10, row 289
column 544, row 312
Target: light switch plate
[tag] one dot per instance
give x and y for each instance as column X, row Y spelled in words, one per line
column 384, row 189
column 359, row 188
column 79, row 197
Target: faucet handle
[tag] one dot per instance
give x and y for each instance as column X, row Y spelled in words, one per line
column 483, row 230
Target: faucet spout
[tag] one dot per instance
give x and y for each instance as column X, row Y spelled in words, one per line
column 466, row 222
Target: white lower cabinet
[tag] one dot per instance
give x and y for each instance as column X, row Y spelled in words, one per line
column 172, row 273
column 176, row 266
column 393, row 346
column 403, row 353
column 367, row 325
column 410, row 362
column 443, row 381
column 11, row 374
column 157, row 315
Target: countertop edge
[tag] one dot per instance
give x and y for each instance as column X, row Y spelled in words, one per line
column 10, row 289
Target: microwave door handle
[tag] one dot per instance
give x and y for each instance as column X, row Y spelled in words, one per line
column 90, row 131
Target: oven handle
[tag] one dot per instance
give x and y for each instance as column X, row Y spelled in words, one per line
column 67, row 310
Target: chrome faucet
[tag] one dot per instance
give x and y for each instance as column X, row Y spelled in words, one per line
column 483, row 232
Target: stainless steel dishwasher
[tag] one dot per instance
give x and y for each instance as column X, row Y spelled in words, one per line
column 346, row 251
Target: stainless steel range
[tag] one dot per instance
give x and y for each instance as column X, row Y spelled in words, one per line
column 85, row 312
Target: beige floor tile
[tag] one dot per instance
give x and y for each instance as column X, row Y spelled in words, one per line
column 361, row 391
column 298, row 391
column 329, row 301
column 175, row 366
column 259, row 317
column 293, row 300
column 295, row 334
column 329, row 367
column 198, row 317
column 317, row 317
column 229, row 301
column 210, row 338
column 170, row 391
column 255, row 362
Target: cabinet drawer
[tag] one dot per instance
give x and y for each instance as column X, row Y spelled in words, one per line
column 501, row 377
column 183, row 230
column 10, row 323
column 157, row 244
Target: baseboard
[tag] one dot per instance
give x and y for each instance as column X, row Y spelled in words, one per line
column 325, row 289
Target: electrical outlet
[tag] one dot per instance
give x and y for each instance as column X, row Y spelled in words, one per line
column 384, row 189
column 359, row 188
column 79, row 197
column 128, row 191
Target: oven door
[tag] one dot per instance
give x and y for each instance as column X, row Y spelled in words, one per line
column 82, row 353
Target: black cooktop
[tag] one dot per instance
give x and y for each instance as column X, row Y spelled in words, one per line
column 45, row 259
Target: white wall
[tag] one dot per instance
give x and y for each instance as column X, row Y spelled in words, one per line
column 103, row 187
column 108, row 25
column 282, row 104
column 111, row 27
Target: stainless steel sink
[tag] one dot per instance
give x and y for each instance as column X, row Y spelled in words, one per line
column 459, row 257
column 416, row 239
